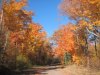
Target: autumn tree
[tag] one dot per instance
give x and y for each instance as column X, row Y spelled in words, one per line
column 13, row 19
column 18, row 33
column 22, row 41
column 86, row 13
column 65, row 43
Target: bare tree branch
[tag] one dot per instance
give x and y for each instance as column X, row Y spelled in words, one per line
column 91, row 32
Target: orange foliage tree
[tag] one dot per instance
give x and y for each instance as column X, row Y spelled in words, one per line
column 86, row 13
column 22, row 37
column 65, row 41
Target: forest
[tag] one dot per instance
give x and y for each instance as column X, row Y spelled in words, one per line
column 25, row 44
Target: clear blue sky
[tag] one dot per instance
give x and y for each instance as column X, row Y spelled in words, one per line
column 47, row 14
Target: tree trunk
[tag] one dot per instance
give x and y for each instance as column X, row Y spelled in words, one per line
column 1, row 21
column 86, row 47
column 95, row 48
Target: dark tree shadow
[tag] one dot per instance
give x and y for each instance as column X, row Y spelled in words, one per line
column 32, row 71
column 38, row 70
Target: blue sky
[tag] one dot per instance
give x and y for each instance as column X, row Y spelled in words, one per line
column 47, row 14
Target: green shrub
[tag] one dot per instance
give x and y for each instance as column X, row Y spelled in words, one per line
column 23, row 62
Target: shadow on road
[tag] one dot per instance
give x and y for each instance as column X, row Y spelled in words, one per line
column 38, row 70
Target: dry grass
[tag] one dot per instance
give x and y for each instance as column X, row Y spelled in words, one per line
column 80, row 70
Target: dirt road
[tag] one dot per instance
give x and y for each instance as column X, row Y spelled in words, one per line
column 58, row 70
column 71, row 70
